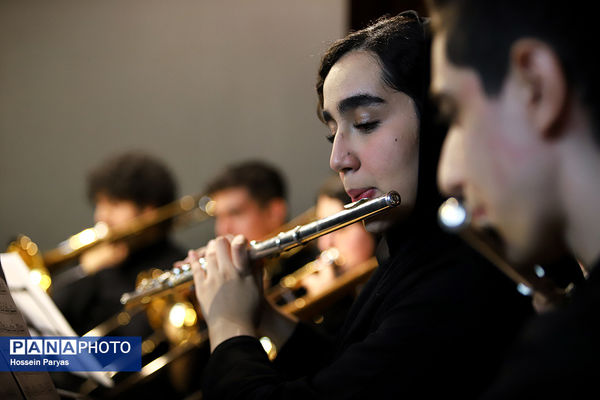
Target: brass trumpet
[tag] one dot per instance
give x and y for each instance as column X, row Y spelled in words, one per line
column 181, row 277
column 192, row 207
column 188, row 209
column 454, row 217
column 293, row 281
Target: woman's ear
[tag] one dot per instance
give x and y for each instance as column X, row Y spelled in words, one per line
column 541, row 76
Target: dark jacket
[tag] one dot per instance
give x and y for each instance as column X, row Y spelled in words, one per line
column 432, row 322
column 94, row 299
column 558, row 354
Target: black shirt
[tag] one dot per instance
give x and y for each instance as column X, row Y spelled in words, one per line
column 94, row 299
column 433, row 322
column 558, row 354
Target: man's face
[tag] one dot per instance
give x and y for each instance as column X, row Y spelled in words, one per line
column 354, row 243
column 495, row 159
column 113, row 212
column 237, row 213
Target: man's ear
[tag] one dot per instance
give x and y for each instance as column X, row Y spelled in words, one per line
column 542, row 78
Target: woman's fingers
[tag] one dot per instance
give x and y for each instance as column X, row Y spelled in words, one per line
column 210, row 257
column 239, row 255
column 198, row 271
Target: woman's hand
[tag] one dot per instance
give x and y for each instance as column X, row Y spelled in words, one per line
column 193, row 255
column 228, row 290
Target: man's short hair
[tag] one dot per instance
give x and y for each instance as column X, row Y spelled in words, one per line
column 480, row 34
column 133, row 176
column 263, row 181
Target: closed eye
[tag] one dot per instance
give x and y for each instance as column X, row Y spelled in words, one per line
column 367, row 126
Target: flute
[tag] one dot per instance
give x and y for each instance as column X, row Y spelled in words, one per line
column 284, row 241
column 454, row 217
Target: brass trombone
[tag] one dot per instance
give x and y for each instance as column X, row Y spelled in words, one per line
column 184, row 211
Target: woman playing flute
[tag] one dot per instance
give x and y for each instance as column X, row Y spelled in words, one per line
column 434, row 319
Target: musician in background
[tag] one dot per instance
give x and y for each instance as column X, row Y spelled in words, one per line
column 519, row 84
column 121, row 188
column 434, row 319
column 250, row 198
column 341, row 252
column 354, row 243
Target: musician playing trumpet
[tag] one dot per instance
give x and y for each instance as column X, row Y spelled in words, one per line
column 433, row 320
column 354, row 244
column 341, row 252
column 121, row 188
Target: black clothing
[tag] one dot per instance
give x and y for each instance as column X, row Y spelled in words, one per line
column 432, row 322
column 94, row 299
column 558, row 354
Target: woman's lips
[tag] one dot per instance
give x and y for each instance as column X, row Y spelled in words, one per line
column 363, row 193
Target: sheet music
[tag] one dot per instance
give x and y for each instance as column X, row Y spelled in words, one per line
column 38, row 309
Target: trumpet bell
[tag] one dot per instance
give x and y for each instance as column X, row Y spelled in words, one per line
column 29, row 252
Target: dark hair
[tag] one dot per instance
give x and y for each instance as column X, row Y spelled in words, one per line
column 263, row 181
column 133, row 176
column 402, row 45
column 480, row 35
column 333, row 187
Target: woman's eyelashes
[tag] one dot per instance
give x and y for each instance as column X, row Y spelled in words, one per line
column 364, row 127
column 367, row 126
column 332, row 129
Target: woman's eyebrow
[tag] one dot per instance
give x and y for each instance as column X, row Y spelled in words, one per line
column 326, row 116
column 359, row 100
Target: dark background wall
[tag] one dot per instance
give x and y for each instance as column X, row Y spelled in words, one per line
column 199, row 83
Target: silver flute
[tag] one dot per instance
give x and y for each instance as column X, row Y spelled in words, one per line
column 284, row 241
column 455, row 218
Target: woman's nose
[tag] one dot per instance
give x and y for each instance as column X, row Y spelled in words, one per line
column 343, row 156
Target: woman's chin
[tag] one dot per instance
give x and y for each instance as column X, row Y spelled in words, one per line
column 379, row 224
column 376, row 227
column 385, row 221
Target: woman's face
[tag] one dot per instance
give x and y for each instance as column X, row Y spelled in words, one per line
column 374, row 131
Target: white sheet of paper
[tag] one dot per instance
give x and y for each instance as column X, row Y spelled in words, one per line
column 39, row 310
